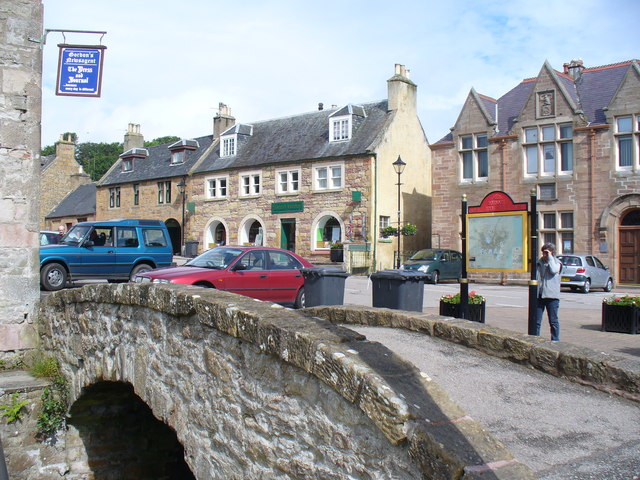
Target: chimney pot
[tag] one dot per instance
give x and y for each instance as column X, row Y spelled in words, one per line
column 320, row 106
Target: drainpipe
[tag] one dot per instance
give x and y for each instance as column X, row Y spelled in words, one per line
column 503, row 159
column 374, row 223
column 592, row 149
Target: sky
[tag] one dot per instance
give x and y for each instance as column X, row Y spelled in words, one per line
column 168, row 64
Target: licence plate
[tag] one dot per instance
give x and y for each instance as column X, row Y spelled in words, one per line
column 565, row 279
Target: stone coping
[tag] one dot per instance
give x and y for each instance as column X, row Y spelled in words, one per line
column 411, row 410
column 610, row 373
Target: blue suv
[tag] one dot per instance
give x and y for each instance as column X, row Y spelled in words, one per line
column 115, row 250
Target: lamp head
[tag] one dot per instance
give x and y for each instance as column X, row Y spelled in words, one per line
column 399, row 165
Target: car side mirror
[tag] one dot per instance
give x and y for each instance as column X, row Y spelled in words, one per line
column 88, row 243
column 238, row 266
column 606, row 267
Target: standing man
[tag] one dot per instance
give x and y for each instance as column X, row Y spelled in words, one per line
column 548, row 267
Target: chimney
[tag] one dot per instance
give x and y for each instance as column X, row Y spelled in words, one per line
column 65, row 147
column 222, row 121
column 574, row 68
column 402, row 92
column 133, row 138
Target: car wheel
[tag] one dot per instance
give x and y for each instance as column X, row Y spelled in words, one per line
column 142, row 267
column 435, row 277
column 609, row 286
column 53, row 276
column 300, row 299
column 587, row 286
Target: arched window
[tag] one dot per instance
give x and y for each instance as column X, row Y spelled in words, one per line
column 216, row 234
column 328, row 231
column 631, row 219
column 252, row 233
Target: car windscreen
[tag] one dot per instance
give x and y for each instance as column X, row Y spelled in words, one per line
column 427, row 254
column 218, row 258
column 75, row 235
column 570, row 261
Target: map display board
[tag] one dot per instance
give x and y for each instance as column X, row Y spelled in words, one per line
column 497, row 242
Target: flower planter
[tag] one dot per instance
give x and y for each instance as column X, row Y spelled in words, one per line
column 621, row 318
column 476, row 312
column 336, row 254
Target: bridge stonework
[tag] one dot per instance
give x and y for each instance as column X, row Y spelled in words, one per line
column 258, row 391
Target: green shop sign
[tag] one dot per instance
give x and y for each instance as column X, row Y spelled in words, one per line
column 287, row 207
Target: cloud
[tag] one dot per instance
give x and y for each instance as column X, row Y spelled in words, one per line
column 168, row 64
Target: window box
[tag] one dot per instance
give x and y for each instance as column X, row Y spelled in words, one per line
column 621, row 318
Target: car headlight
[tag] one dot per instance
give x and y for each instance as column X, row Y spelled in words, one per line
column 423, row 268
column 161, row 280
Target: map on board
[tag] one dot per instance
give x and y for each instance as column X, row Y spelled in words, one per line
column 496, row 242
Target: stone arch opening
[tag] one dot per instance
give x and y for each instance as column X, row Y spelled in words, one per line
column 215, row 234
column 252, row 232
column 629, row 247
column 122, row 438
column 327, row 229
column 175, row 234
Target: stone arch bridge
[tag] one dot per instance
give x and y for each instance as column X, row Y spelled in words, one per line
column 254, row 390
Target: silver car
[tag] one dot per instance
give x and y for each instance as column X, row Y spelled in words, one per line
column 584, row 272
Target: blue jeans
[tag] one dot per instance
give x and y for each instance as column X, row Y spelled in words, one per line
column 552, row 305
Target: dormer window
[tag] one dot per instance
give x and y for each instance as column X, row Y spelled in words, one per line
column 179, row 150
column 129, row 157
column 341, row 122
column 340, row 129
column 127, row 165
column 177, row 157
column 232, row 137
column 228, row 146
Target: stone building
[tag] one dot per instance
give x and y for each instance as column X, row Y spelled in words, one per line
column 77, row 206
column 143, row 183
column 573, row 137
column 60, row 175
column 302, row 182
column 20, row 112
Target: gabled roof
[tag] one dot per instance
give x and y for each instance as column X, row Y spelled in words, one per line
column 157, row 165
column 301, row 137
column 80, row 202
column 184, row 143
column 591, row 92
column 350, row 110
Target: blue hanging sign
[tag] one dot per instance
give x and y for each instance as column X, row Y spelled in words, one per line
column 80, row 70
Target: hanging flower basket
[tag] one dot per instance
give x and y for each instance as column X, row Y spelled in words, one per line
column 621, row 314
column 450, row 307
column 336, row 252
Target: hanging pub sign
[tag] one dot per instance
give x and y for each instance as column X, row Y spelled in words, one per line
column 80, row 70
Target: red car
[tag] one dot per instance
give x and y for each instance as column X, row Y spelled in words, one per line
column 264, row 273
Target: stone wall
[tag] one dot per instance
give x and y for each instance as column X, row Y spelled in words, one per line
column 20, row 111
column 254, row 390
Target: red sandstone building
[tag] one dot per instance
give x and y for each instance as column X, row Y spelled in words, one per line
column 573, row 137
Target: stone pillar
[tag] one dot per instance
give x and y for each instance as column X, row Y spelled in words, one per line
column 20, row 114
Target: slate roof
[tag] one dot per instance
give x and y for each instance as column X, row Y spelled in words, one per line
column 157, row 165
column 299, row 138
column 591, row 93
column 80, row 202
column 45, row 160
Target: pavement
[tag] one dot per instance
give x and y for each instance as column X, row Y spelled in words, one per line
column 580, row 315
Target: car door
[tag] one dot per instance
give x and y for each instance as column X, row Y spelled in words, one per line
column 597, row 272
column 127, row 250
column 445, row 264
column 456, row 265
column 248, row 276
column 285, row 278
column 98, row 254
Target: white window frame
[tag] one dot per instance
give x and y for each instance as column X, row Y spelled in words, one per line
column 633, row 134
column 228, row 145
column 289, row 186
column 340, row 128
column 218, row 187
column 250, row 183
column 561, row 232
column 473, row 153
column 127, row 165
column 546, row 138
column 330, row 182
column 178, row 157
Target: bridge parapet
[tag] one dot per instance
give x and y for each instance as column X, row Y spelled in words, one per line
column 253, row 389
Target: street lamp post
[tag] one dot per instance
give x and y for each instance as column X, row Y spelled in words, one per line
column 398, row 166
column 182, row 188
